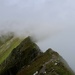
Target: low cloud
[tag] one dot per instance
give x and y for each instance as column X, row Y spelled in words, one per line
column 42, row 19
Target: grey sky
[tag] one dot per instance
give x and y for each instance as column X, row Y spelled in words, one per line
column 51, row 22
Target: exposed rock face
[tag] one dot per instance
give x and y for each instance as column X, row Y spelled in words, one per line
column 27, row 59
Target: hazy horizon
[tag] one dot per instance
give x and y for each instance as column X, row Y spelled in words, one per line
column 50, row 22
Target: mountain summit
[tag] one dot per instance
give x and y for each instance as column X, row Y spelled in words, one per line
column 26, row 58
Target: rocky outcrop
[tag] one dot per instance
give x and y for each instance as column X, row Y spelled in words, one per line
column 27, row 59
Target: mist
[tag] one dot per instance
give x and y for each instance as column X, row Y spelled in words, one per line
column 50, row 22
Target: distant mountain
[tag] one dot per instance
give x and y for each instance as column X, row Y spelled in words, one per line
column 24, row 57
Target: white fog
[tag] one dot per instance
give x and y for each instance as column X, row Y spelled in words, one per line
column 50, row 22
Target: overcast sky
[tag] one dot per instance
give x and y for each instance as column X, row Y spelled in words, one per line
column 50, row 22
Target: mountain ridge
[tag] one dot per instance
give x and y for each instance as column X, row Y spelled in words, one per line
column 27, row 59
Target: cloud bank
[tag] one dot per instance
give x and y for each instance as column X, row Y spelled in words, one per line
column 37, row 18
column 42, row 19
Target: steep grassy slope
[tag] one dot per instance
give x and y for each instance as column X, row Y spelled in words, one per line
column 7, row 43
column 21, row 56
column 7, row 47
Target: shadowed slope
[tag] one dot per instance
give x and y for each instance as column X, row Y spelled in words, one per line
column 48, row 63
column 21, row 56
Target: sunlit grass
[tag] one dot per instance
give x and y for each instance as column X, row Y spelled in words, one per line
column 6, row 48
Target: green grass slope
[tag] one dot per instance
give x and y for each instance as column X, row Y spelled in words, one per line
column 7, row 47
column 20, row 56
